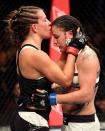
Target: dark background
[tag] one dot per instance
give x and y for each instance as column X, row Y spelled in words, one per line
column 91, row 13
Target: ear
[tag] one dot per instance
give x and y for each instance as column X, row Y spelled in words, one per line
column 69, row 34
column 33, row 27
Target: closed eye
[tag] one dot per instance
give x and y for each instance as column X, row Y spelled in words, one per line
column 55, row 36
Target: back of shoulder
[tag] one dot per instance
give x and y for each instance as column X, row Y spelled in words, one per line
column 33, row 57
column 30, row 51
column 88, row 53
column 88, row 57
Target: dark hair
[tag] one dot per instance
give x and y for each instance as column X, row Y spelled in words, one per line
column 67, row 22
column 19, row 22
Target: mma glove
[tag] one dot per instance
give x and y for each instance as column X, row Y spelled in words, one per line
column 74, row 45
column 44, row 100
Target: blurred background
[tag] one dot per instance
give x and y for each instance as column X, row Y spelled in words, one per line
column 91, row 13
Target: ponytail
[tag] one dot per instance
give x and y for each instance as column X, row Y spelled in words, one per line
column 19, row 21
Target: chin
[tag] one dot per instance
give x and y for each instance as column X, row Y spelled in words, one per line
column 62, row 50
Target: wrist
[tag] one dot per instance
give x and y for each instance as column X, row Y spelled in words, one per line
column 52, row 98
column 72, row 50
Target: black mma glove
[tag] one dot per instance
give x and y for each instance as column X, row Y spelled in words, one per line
column 76, row 44
column 43, row 100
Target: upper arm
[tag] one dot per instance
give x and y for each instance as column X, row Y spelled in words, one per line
column 49, row 68
column 88, row 68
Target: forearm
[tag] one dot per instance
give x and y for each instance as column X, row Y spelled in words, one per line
column 75, row 97
column 62, row 60
column 70, row 64
column 44, row 100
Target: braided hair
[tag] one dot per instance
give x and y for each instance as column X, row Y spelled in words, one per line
column 19, row 22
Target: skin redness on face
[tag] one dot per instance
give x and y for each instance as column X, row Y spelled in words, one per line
column 59, row 37
column 43, row 26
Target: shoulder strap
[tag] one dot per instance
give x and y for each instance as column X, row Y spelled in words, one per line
column 18, row 55
column 29, row 45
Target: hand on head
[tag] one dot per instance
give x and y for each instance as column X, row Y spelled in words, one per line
column 76, row 43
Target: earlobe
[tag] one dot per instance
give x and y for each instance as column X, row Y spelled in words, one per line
column 33, row 28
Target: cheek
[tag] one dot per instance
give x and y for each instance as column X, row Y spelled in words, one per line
column 43, row 27
column 62, row 41
column 44, row 31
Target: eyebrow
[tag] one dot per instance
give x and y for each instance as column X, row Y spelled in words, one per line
column 55, row 35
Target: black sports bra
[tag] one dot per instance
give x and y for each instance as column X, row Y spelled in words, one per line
column 28, row 86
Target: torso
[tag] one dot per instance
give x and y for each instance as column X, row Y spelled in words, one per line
column 86, row 108
column 30, row 79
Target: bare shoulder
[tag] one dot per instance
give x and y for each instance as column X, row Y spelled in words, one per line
column 88, row 58
column 33, row 56
column 33, row 53
column 40, row 55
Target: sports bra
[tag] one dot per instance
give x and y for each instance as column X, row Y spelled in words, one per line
column 28, row 86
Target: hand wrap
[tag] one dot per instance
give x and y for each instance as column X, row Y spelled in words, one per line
column 43, row 100
column 76, row 44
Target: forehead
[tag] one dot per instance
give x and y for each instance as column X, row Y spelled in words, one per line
column 56, row 29
column 41, row 14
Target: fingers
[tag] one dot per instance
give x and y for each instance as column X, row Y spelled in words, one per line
column 54, row 86
column 41, row 91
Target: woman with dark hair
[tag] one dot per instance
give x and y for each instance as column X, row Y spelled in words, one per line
column 77, row 99
column 81, row 113
column 27, row 27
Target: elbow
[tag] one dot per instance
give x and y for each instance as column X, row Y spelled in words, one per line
column 68, row 82
column 87, row 97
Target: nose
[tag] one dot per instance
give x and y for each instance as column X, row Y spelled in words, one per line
column 55, row 42
column 49, row 22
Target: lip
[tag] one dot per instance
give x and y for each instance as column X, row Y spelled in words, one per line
column 50, row 30
column 49, row 27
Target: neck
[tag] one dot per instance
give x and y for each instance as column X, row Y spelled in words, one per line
column 36, row 41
